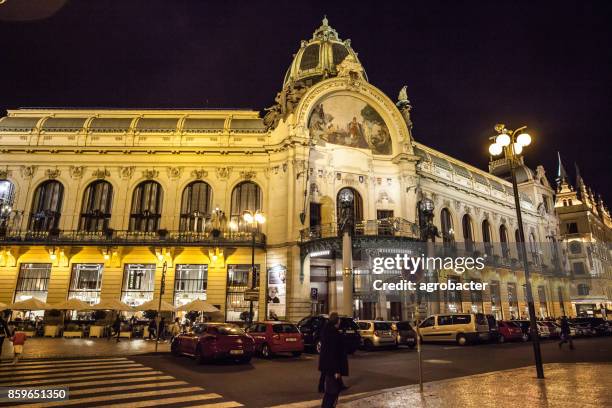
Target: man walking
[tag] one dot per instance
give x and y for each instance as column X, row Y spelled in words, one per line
column 333, row 362
column 566, row 336
column 4, row 333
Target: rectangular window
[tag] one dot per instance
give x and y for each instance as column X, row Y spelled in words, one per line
column 86, row 282
column 190, row 282
column 572, row 228
column 138, row 283
column 578, row 268
column 512, row 295
column 315, row 214
column 238, row 281
column 33, row 281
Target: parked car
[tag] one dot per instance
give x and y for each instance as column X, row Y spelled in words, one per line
column 459, row 327
column 273, row 337
column 544, row 331
column 509, row 331
column 405, row 333
column 209, row 341
column 493, row 328
column 597, row 325
column 582, row 329
column 311, row 327
column 376, row 334
column 554, row 329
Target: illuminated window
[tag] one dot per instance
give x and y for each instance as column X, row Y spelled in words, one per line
column 146, row 207
column 33, row 281
column 7, row 197
column 190, row 283
column 96, row 207
column 138, row 283
column 86, row 282
column 46, row 206
column 245, row 196
column 195, row 206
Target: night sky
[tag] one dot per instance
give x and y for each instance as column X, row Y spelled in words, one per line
column 467, row 64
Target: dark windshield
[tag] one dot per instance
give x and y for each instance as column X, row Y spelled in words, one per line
column 382, row 326
column 284, row 328
column 403, row 326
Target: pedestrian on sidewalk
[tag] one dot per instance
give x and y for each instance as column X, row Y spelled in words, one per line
column 4, row 333
column 333, row 361
column 566, row 336
column 175, row 329
column 152, row 328
column 18, row 339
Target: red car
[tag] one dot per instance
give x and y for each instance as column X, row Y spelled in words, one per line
column 276, row 337
column 209, row 341
column 509, row 331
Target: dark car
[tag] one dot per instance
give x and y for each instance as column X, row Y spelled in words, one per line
column 210, row 341
column 405, row 334
column 311, row 327
column 493, row 328
column 597, row 325
column 525, row 326
column 273, row 337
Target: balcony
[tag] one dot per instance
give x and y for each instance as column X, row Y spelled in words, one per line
column 388, row 227
column 132, row 238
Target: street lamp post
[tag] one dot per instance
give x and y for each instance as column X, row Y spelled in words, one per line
column 511, row 143
column 253, row 219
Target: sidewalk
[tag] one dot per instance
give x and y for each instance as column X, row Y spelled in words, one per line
column 38, row 347
column 566, row 385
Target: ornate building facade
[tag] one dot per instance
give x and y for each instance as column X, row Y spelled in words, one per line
column 586, row 230
column 104, row 203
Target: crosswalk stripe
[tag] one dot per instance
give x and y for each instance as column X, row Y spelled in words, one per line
column 173, row 400
column 71, row 369
column 106, row 382
column 98, row 390
column 151, row 374
column 73, row 360
column 104, row 398
column 28, row 367
column 66, row 374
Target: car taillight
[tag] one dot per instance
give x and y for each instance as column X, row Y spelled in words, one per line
column 377, row 333
column 276, row 336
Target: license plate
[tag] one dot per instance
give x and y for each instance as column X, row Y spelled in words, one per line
column 236, row 352
column 350, row 331
column 291, row 339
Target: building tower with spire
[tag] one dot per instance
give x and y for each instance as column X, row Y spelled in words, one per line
column 586, row 232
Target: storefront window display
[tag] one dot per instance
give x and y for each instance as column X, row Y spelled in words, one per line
column 86, row 282
column 138, row 283
column 190, row 282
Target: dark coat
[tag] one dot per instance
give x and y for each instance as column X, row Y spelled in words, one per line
column 565, row 327
column 4, row 329
column 333, row 357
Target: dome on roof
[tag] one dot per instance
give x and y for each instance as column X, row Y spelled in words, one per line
column 318, row 57
column 501, row 168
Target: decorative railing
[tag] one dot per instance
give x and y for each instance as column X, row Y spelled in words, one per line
column 388, row 227
column 115, row 237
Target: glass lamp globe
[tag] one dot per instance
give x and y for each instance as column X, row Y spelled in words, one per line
column 503, row 140
column 260, row 218
column 427, row 205
column 518, row 148
column 248, row 217
column 523, row 139
column 495, row 149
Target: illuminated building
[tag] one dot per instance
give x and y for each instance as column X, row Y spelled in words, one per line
column 586, row 229
column 101, row 199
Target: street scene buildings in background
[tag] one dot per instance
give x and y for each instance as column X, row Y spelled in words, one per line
column 96, row 201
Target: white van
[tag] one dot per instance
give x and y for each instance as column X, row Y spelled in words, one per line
column 459, row 327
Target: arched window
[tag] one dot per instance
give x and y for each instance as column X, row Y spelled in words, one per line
column 446, row 222
column 145, row 213
column 533, row 248
column 245, row 196
column 519, row 246
column 468, row 233
column 503, row 238
column 348, row 194
column 47, row 206
column 486, row 237
column 96, row 207
column 7, row 197
column 195, row 206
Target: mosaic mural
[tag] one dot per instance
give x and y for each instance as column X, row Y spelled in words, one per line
column 348, row 121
